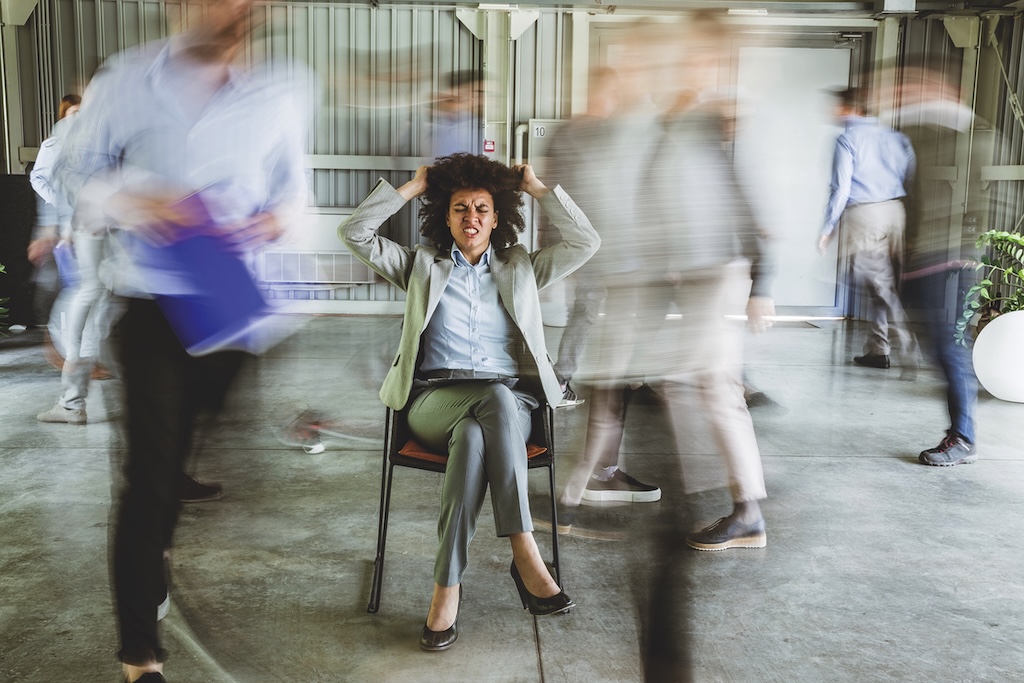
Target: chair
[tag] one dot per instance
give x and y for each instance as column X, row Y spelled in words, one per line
column 402, row 451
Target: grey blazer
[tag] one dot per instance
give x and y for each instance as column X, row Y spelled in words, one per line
column 423, row 274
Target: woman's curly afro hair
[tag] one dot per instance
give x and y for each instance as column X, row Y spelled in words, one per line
column 471, row 172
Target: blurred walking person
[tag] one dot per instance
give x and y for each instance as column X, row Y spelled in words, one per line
column 710, row 259
column 180, row 150
column 82, row 338
column 871, row 168
column 934, row 118
column 617, row 130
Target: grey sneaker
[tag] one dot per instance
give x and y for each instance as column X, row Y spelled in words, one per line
column 569, row 398
column 720, row 536
column 620, row 488
column 60, row 414
column 952, row 450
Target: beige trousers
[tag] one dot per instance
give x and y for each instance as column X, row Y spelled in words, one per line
column 696, row 347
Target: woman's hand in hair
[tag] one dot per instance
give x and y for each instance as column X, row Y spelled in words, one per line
column 530, row 184
column 416, row 186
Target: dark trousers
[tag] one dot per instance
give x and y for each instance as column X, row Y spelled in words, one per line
column 928, row 295
column 165, row 389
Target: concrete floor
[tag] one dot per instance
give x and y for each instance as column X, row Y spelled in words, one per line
column 877, row 568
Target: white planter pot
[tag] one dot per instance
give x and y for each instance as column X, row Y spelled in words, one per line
column 999, row 357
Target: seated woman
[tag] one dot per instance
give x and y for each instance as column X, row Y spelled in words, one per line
column 471, row 364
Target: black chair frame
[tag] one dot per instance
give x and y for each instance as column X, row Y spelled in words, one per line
column 397, row 438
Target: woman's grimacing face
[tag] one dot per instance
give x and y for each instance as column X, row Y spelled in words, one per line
column 472, row 219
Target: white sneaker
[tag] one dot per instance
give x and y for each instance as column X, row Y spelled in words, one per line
column 569, row 398
column 60, row 414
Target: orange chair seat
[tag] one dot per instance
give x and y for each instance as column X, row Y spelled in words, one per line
column 412, row 449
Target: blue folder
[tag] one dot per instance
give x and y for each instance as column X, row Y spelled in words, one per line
column 221, row 308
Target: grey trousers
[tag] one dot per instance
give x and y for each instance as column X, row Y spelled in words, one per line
column 874, row 239
column 484, row 427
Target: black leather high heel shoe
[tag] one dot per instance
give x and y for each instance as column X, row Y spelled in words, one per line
column 435, row 641
column 556, row 604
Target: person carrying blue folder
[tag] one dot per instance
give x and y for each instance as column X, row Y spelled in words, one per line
column 194, row 161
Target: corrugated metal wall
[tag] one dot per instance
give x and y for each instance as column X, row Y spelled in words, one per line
column 380, row 69
column 542, row 68
column 1008, row 210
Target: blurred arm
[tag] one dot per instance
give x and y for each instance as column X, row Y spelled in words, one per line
column 387, row 258
column 86, row 171
column 579, row 242
column 839, row 188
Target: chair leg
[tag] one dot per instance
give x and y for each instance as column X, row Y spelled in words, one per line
column 554, row 525
column 382, row 539
column 549, row 437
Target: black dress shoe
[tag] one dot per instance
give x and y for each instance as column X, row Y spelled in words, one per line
column 435, row 641
column 194, row 491
column 151, row 677
column 873, row 360
column 556, row 604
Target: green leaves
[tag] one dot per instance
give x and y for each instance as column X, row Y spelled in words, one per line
column 1002, row 287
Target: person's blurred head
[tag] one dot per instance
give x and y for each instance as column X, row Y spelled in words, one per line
column 462, row 91
column 464, row 185
column 925, row 79
column 704, row 49
column 69, row 105
column 603, row 92
column 851, row 102
column 223, row 29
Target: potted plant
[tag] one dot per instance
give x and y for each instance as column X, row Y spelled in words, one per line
column 998, row 357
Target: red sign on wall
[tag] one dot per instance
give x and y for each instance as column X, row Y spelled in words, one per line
column 488, row 146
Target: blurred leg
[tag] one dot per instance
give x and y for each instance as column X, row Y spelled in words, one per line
column 82, row 334
column 162, row 386
column 155, row 384
column 586, row 307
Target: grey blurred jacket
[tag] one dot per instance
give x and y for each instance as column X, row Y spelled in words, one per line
column 695, row 205
column 600, row 162
column 423, row 274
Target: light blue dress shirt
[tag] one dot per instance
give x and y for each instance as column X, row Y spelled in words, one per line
column 154, row 122
column 52, row 207
column 470, row 329
column 872, row 164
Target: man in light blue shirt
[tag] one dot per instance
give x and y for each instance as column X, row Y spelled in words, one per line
column 870, row 171
column 182, row 152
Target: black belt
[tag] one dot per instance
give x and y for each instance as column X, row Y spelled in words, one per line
column 435, row 378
